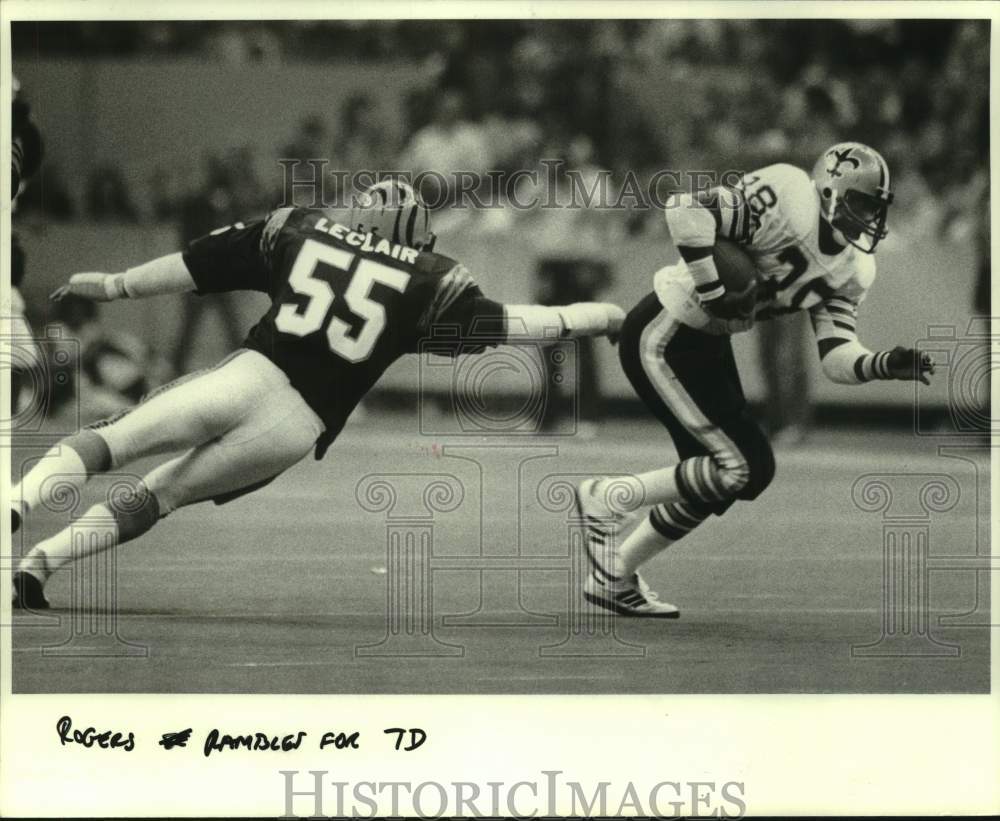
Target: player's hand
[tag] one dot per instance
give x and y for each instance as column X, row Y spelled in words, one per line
column 95, row 286
column 909, row 364
column 733, row 305
column 591, row 319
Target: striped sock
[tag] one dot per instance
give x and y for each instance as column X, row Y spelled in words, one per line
column 698, row 479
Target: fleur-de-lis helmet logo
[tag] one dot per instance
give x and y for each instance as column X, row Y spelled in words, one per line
column 842, row 157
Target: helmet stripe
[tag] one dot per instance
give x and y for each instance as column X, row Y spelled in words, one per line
column 395, row 228
column 411, row 223
column 883, row 171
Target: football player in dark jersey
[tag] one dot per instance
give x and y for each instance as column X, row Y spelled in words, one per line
column 26, row 153
column 346, row 302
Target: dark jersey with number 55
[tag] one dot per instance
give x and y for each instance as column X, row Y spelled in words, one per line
column 344, row 305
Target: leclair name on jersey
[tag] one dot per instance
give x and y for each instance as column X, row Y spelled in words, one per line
column 366, row 242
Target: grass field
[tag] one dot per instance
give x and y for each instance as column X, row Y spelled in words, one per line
column 285, row 591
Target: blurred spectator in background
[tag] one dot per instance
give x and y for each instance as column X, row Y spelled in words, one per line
column 447, row 144
column 27, row 151
column 48, row 196
column 26, row 141
column 163, row 200
column 563, row 281
column 114, row 367
column 239, row 177
column 212, row 206
column 363, row 142
column 311, row 141
column 108, row 198
column 573, row 267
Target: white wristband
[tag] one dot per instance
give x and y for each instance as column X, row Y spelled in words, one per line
column 114, row 287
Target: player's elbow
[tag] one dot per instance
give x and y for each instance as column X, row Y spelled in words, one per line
column 838, row 366
column 838, row 358
column 838, row 376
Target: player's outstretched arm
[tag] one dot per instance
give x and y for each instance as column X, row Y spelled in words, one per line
column 164, row 275
column 567, row 321
column 459, row 303
column 846, row 361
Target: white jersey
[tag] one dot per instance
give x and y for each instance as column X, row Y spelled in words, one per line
column 775, row 213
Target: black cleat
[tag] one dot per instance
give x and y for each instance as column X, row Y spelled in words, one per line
column 28, row 593
column 15, row 520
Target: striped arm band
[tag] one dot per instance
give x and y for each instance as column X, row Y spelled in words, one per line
column 871, row 366
column 699, row 261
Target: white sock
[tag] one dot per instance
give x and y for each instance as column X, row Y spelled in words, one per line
column 664, row 525
column 642, row 544
column 92, row 533
column 627, row 494
column 35, row 489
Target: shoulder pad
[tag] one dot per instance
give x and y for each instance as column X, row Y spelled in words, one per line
column 450, row 287
column 856, row 288
column 429, row 262
column 865, row 272
column 797, row 197
column 272, row 227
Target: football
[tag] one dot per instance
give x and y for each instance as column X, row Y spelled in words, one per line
column 736, row 269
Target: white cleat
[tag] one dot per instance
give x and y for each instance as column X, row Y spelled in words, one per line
column 628, row 597
column 603, row 525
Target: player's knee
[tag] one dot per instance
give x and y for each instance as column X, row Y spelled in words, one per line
column 760, row 461
column 92, row 449
column 135, row 509
column 734, row 473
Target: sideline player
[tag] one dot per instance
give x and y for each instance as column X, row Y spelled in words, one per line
column 346, row 302
column 811, row 238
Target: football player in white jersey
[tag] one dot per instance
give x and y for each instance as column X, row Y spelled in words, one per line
column 812, row 238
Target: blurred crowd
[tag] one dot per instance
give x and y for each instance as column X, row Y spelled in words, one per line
column 627, row 95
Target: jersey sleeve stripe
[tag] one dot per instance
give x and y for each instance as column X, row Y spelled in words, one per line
column 450, row 288
column 840, row 310
column 828, row 344
column 745, row 219
column 690, row 254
